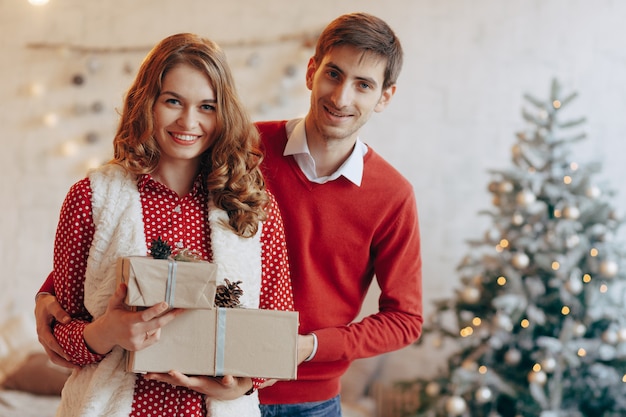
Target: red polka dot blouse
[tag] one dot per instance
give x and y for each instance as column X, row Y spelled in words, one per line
column 181, row 221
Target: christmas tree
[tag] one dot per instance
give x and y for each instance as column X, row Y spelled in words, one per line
column 539, row 320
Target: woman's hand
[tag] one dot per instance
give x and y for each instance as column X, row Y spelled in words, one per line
column 217, row 388
column 132, row 330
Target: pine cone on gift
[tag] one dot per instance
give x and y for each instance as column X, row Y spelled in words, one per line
column 227, row 295
column 159, row 249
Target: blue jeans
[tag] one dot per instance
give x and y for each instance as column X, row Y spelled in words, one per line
column 330, row 408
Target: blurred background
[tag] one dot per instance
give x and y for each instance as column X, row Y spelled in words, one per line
column 66, row 65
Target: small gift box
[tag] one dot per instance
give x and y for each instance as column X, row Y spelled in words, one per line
column 180, row 284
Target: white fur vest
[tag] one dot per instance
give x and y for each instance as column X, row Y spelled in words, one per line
column 104, row 389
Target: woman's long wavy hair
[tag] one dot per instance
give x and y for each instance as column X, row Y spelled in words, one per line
column 230, row 167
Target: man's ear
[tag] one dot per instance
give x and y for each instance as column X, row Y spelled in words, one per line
column 385, row 98
column 310, row 73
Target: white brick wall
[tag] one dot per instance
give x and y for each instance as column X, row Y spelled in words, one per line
column 454, row 116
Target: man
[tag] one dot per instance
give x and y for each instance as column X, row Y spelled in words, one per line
column 349, row 217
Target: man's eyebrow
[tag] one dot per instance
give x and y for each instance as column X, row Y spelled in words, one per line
column 368, row 80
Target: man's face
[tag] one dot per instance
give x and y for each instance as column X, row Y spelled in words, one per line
column 345, row 89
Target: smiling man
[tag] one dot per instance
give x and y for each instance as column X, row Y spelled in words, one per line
column 349, row 216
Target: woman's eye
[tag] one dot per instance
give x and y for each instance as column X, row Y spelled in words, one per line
column 172, row 101
column 208, row 107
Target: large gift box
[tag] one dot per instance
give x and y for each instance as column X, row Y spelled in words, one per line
column 206, row 340
column 224, row 341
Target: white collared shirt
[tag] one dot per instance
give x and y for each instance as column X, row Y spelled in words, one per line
column 297, row 146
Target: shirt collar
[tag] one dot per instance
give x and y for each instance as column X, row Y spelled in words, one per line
column 147, row 180
column 297, row 146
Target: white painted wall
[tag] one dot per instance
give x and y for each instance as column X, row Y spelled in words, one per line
column 467, row 65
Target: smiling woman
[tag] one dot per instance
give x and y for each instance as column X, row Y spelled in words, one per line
column 185, row 171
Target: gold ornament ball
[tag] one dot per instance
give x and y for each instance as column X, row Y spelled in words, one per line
column 520, row 260
column 548, row 364
column 433, row 389
column 525, row 198
column 517, row 219
column 503, row 322
column 580, row 330
column 483, row 395
column 574, row 285
column 571, row 212
column 539, row 378
column 493, row 186
column 608, row 268
column 456, row 405
column 505, row 187
column 593, row 192
column 610, row 336
column 470, row 295
column 512, row 356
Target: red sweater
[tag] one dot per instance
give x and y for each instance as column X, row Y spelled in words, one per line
column 339, row 236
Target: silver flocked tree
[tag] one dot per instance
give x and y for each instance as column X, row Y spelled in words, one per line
column 540, row 317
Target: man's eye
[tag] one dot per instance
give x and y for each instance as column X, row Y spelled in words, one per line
column 208, row 107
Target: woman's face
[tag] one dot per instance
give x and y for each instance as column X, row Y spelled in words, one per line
column 184, row 115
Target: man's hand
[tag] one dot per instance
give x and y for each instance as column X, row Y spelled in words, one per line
column 47, row 311
column 217, row 388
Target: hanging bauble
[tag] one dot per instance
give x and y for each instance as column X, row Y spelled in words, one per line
column 93, row 64
column 470, row 295
column 525, row 198
column 621, row 334
column 505, row 187
column 520, row 260
column 548, row 364
column 496, row 201
column 538, row 377
column 433, row 389
column 456, row 405
column 593, row 192
column 469, row 365
column 78, row 79
column 610, row 336
column 608, row 268
column 517, row 219
column 579, row 329
column 503, row 321
column 97, row 107
column 512, row 356
column 516, row 150
column 574, row 285
column 571, row 212
column 483, row 395
column 493, row 186
column 572, row 241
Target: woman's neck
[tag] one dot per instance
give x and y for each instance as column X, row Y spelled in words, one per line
column 177, row 177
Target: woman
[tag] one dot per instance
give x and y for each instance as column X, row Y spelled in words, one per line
column 185, row 169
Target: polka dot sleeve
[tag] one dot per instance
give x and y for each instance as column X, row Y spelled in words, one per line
column 276, row 293
column 74, row 234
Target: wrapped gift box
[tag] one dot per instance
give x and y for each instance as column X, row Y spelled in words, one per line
column 205, row 340
column 180, row 284
column 224, row 341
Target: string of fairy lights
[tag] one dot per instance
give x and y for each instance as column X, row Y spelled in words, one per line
column 283, row 87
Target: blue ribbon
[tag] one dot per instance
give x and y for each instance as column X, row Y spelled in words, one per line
column 170, row 287
column 220, row 339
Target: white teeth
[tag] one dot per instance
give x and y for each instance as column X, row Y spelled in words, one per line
column 185, row 137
